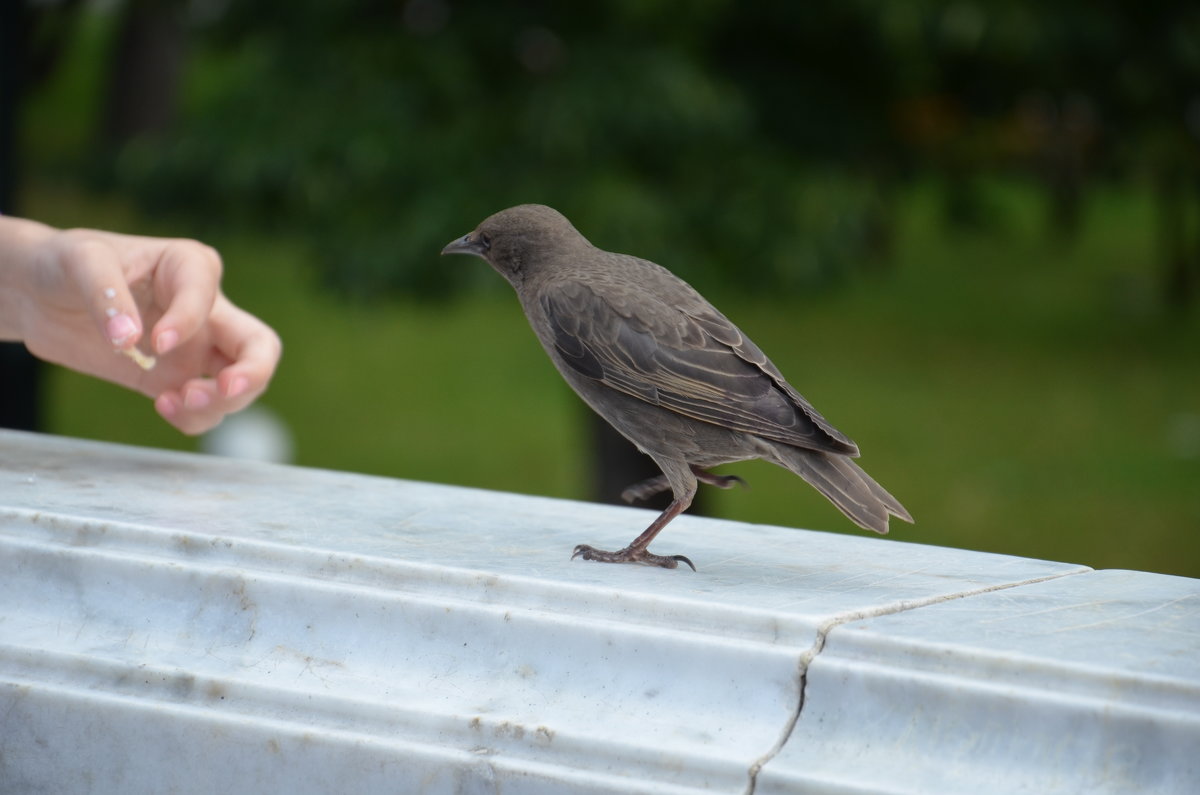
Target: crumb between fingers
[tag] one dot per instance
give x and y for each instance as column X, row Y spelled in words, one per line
column 140, row 359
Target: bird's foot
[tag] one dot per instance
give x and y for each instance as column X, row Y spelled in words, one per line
column 630, row 555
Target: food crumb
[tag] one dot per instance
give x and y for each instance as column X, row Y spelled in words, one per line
column 140, row 359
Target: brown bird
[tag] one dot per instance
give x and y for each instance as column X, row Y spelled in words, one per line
column 656, row 360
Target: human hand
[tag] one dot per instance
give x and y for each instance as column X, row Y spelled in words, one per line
column 76, row 296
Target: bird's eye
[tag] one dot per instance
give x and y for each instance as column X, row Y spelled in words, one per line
column 485, row 239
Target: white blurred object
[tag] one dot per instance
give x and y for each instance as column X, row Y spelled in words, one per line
column 1183, row 435
column 254, row 434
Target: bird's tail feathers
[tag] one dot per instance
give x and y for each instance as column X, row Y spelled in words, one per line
column 845, row 484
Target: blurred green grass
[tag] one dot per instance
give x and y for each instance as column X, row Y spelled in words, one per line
column 1017, row 397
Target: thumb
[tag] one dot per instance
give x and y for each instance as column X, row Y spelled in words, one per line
column 105, row 293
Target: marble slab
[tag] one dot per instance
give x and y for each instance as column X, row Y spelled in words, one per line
column 1088, row 684
column 177, row 622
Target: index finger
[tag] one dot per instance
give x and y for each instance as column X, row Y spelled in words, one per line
column 187, row 280
column 253, row 348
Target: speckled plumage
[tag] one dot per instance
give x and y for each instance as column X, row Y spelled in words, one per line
column 666, row 369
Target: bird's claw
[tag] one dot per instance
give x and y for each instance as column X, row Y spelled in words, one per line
column 681, row 559
column 628, row 555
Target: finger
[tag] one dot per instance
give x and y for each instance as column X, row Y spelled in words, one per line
column 186, row 283
column 200, row 404
column 168, row 405
column 203, row 403
column 193, row 409
column 253, row 349
column 244, row 353
column 95, row 269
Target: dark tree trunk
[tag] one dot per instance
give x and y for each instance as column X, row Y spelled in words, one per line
column 147, row 61
column 1179, row 265
column 617, row 464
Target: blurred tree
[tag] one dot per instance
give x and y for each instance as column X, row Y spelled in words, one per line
column 379, row 129
column 771, row 132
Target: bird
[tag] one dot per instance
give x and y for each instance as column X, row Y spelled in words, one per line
column 672, row 374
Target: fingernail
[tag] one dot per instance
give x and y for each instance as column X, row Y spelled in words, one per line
column 195, row 399
column 166, row 406
column 237, row 386
column 120, row 328
column 167, row 340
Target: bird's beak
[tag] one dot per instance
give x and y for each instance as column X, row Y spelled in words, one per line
column 467, row 244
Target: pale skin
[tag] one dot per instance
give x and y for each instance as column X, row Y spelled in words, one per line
column 80, row 297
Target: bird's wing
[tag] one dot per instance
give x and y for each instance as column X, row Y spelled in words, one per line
column 692, row 361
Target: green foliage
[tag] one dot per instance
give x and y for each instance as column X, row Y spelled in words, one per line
column 704, row 137
column 380, row 130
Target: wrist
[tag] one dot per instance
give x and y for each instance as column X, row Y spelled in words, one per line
column 21, row 240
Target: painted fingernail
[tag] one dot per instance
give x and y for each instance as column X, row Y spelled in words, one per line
column 195, row 399
column 120, row 328
column 167, row 340
column 237, row 386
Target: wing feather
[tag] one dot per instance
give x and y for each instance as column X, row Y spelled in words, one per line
column 692, row 361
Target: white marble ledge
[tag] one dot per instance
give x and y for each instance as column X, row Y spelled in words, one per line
column 1077, row 684
column 184, row 623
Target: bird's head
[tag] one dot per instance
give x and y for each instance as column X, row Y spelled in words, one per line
column 518, row 240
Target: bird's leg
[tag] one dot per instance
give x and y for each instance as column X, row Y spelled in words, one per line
column 720, row 481
column 636, row 552
column 646, row 489
column 681, row 479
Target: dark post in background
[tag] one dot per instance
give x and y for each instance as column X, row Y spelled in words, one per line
column 20, row 373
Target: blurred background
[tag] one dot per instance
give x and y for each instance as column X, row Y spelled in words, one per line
column 968, row 232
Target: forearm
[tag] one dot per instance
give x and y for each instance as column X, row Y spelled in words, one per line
column 20, row 242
